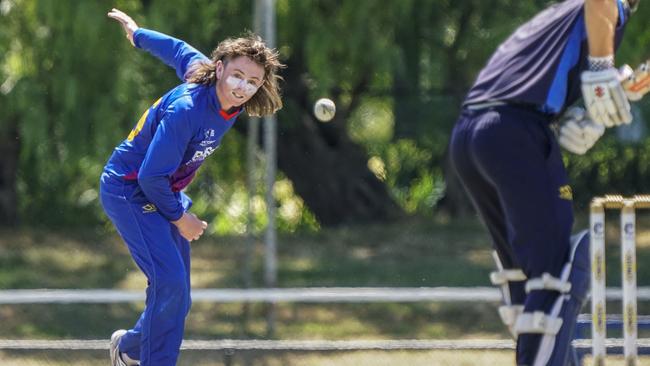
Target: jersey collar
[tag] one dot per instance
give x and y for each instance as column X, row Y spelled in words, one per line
column 226, row 115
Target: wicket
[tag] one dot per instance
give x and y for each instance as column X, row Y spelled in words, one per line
column 628, row 206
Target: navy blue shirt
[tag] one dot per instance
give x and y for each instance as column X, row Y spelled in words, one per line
column 540, row 63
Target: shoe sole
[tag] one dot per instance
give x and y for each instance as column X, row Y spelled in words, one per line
column 114, row 347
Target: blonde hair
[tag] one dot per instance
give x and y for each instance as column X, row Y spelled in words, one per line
column 266, row 100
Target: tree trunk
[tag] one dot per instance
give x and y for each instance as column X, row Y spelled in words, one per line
column 330, row 173
column 406, row 89
column 9, row 148
column 455, row 202
column 328, row 170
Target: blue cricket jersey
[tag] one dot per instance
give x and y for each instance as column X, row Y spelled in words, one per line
column 174, row 136
column 540, row 64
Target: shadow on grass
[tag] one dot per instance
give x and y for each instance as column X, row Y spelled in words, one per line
column 45, row 259
column 409, row 253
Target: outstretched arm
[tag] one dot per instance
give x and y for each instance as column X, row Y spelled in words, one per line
column 173, row 52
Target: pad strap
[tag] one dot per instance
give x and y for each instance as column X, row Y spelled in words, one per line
column 504, row 276
column 537, row 323
column 509, row 315
column 548, row 282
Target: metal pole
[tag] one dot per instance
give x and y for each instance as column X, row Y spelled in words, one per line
column 265, row 19
column 251, row 188
column 251, row 184
column 270, row 135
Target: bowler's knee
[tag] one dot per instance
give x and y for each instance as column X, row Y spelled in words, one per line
column 173, row 287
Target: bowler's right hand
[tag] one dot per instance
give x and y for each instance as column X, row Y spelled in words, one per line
column 129, row 25
column 190, row 226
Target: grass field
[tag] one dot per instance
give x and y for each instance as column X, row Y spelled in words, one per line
column 406, row 254
column 416, row 252
column 331, row 359
column 370, row 358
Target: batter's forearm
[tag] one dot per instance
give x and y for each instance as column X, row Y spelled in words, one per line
column 601, row 18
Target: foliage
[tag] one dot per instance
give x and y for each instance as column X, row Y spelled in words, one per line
column 59, row 74
column 616, row 165
column 74, row 87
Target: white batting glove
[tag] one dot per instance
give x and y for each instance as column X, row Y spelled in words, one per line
column 577, row 133
column 605, row 98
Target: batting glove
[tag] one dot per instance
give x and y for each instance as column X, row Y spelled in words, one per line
column 577, row 133
column 605, row 98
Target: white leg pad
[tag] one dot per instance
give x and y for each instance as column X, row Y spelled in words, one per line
column 537, row 323
column 548, row 282
column 509, row 315
column 504, row 276
column 509, row 312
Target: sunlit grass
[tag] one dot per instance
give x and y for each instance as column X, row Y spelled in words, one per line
column 409, row 253
column 358, row 358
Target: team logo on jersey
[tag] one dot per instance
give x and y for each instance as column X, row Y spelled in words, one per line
column 566, row 193
column 205, row 143
column 148, row 208
column 208, row 136
column 201, row 155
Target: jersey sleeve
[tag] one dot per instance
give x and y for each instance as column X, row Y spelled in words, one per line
column 173, row 52
column 623, row 14
column 163, row 157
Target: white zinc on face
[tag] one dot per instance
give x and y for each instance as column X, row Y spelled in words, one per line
column 248, row 87
column 238, row 80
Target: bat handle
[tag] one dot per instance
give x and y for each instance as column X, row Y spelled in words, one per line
column 625, row 72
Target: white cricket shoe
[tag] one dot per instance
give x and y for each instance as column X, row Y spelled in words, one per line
column 117, row 357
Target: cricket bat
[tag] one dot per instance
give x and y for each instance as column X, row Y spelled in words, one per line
column 636, row 83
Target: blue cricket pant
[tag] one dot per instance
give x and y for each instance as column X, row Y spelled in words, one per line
column 163, row 255
column 511, row 166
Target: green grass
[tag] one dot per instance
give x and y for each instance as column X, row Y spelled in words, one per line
column 408, row 253
column 369, row 358
column 211, row 358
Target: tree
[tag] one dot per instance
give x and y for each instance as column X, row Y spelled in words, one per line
column 9, row 141
column 71, row 87
column 441, row 49
column 336, row 50
column 59, row 116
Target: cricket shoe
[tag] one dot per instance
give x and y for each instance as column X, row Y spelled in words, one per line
column 118, row 358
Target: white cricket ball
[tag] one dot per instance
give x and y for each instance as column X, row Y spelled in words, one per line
column 324, row 109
